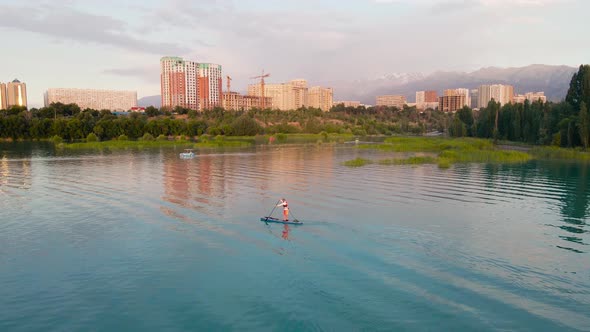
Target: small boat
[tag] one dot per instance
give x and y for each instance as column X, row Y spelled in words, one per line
column 187, row 154
column 280, row 221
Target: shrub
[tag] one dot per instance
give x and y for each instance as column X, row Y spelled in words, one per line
column 359, row 132
column 147, row 137
column 281, row 138
column 205, row 138
column 91, row 138
column 123, row 138
column 214, row 131
column 444, row 163
column 162, row 138
column 57, row 139
column 358, row 162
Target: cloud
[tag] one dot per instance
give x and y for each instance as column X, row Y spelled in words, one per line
column 149, row 74
column 65, row 22
column 475, row 3
column 320, row 40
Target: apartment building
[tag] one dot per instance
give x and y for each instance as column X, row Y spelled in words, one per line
column 451, row 103
column 16, row 94
column 459, row 92
column 93, row 98
column 530, row 96
column 426, row 99
column 501, row 93
column 3, row 104
column 474, row 96
column 397, row 101
column 209, row 86
column 190, row 84
column 178, row 82
column 285, row 96
column 430, row 96
column 322, row 98
column 348, row 103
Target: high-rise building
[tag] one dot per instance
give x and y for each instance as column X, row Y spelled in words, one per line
column 322, row 98
column 16, row 94
column 473, row 95
column 209, row 86
column 178, row 83
column 530, row 96
column 426, row 99
column 190, row 84
column 391, row 101
column 285, row 96
column 420, row 97
column 3, row 104
column 459, row 92
column 451, row 102
column 93, row 99
column 503, row 94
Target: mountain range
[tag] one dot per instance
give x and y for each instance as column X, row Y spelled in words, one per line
column 553, row 80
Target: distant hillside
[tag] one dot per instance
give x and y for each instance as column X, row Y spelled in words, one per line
column 553, row 80
column 155, row 101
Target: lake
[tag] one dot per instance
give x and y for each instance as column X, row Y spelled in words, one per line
column 146, row 241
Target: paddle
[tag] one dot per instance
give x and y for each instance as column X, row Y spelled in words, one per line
column 294, row 219
column 273, row 209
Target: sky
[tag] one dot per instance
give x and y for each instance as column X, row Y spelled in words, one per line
column 108, row 44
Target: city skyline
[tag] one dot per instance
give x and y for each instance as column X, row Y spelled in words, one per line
column 114, row 44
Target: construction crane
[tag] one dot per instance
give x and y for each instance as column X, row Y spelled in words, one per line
column 228, row 84
column 261, row 77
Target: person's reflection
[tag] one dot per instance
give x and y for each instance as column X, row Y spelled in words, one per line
column 286, row 232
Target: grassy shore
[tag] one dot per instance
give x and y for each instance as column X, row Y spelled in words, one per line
column 551, row 152
column 430, row 144
column 448, row 151
column 209, row 142
column 358, row 162
column 142, row 144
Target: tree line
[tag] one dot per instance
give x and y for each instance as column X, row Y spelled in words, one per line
column 564, row 124
column 72, row 123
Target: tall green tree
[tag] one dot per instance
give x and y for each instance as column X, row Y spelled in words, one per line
column 584, row 125
column 458, row 128
column 579, row 90
column 465, row 114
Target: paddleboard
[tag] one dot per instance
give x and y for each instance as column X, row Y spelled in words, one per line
column 279, row 221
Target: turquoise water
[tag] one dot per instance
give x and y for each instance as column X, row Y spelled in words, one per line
column 145, row 241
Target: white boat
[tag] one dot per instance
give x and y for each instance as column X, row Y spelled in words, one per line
column 187, row 154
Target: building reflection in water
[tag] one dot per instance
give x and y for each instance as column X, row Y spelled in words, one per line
column 218, row 181
column 15, row 174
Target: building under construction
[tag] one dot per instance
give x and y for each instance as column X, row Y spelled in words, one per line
column 234, row 101
column 451, row 103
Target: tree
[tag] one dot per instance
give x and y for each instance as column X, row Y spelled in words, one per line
column 579, row 90
column 245, row 126
column 151, row 111
column 458, row 128
column 584, row 125
column 91, row 138
column 466, row 116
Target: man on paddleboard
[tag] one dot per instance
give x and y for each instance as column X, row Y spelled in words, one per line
column 285, row 205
